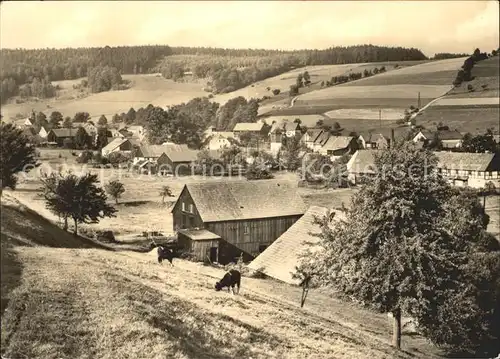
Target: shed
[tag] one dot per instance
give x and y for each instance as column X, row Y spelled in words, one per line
column 201, row 242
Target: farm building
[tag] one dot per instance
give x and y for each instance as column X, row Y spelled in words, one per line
column 460, row 168
column 247, row 215
column 339, row 146
column 176, row 160
column 201, row 242
column 279, row 260
column 381, row 139
column 448, row 138
column 117, row 145
column 60, row 134
column 153, row 152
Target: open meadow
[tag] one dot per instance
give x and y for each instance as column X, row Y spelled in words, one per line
column 144, row 90
column 469, row 111
column 123, row 304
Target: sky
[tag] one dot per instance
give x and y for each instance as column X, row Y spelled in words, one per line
column 431, row 26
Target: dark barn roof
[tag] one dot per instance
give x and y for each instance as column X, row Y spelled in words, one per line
column 240, row 200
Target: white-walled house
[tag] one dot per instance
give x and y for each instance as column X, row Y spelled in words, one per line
column 43, row 133
column 117, row 145
column 459, row 168
column 219, row 140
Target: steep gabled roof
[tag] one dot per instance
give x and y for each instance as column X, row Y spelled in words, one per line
column 181, row 154
column 337, row 143
column 238, row 200
column 314, row 133
column 282, row 256
column 284, row 126
column 248, row 126
column 117, row 142
column 155, row 151
column 468, row 161
column 363, row 161
column 322, row 138
column 64, row 132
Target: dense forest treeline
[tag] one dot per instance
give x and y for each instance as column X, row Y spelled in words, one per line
column 229, row 69
column 229, row 73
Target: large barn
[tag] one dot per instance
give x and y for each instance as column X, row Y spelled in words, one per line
column 247, row 216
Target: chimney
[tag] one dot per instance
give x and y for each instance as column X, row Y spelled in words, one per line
column 392, row 137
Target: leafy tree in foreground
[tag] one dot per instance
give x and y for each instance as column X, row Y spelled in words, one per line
column 406, row 246
column 76, row 197
column 115, row 189
column 16, row 155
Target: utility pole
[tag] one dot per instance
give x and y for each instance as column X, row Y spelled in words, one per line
column 418, row 103
column 380, row 117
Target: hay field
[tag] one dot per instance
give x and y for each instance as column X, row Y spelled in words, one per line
column 385, row 114
column 390, row 95
column 285, row 80
column 463, row 118
column 145, row 89
column 98, row 303
column 468, row 101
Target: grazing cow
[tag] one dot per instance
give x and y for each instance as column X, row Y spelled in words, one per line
column 230, row 279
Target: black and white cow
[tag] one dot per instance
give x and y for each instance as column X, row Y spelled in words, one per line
column 230, row 280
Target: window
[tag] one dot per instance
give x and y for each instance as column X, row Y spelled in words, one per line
column 191, row 208
column 245, row 229
column 183, row 206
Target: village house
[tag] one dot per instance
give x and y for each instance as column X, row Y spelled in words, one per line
column 280, row 130
column 469, row 169
column 449, row 138
column 219, row 140
column 320, row 141
column 152, row 152
column 117, row 145
column 280, row 259
column 137, row 132
column 459, row 168
column 43, row 133
column 58, row 135
column 256, row 128
column 177, row 161
column 28, row 121
column 247, row 216
column 338, row 146
column 381, row 139
column 310, row 137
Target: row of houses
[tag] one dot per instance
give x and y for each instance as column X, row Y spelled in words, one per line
column 324, row 141
column 459, row 168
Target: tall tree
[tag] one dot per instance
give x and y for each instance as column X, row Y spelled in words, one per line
column 102, row 138
column 82, row 139
column 67, row 123
column 55, row 118
column 103, row 121
column 115, row 189
column 404, row 243
column 17, row 155
column 79, row 198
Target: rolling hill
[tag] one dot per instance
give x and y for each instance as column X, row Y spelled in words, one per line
column 471, row 107
column 68, row 300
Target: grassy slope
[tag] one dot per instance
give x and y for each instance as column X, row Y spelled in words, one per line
column 392, row 89
column 469, row 118
column 145, row 89
column 86, row 303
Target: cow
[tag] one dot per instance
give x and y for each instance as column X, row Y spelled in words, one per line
column 230, row 280
column 163, row 253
